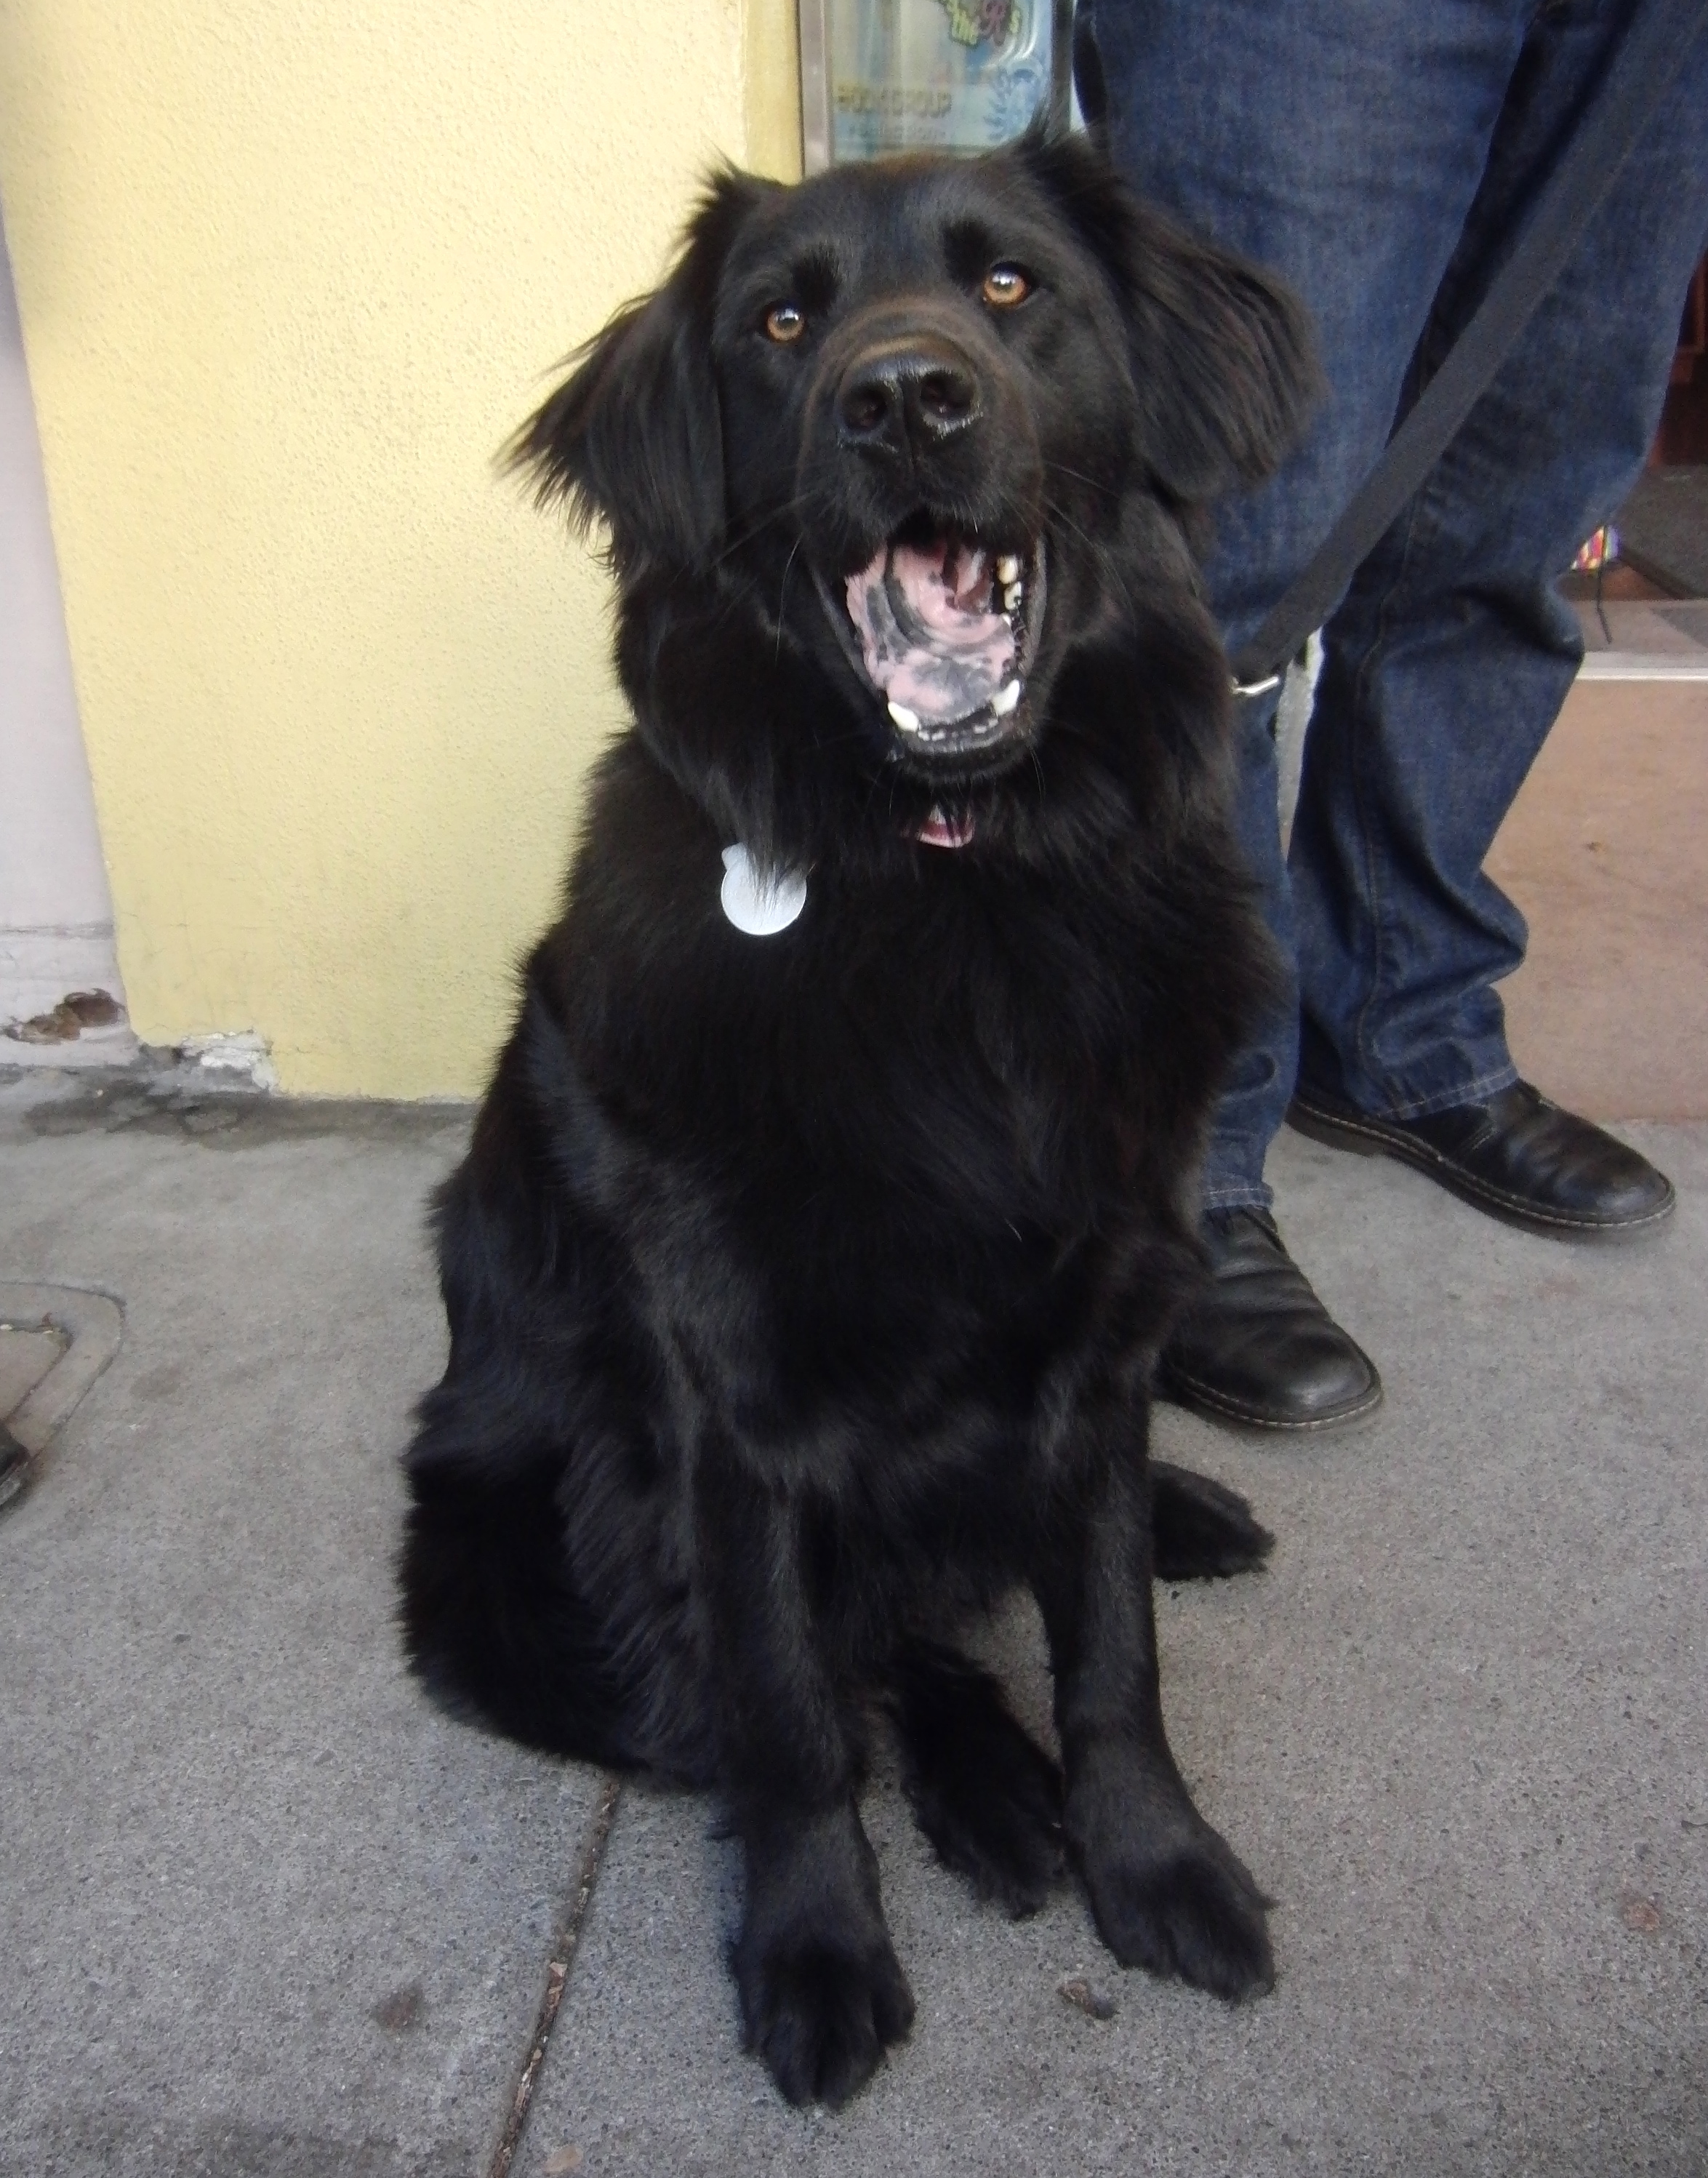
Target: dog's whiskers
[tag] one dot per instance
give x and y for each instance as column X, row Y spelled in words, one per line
column 1106, row 561
column 1100, row 486
column 783, row 598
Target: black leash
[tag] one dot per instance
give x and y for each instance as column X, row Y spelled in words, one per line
column 1648, row 57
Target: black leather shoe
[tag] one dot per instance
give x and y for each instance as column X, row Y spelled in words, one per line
column 1259, row 1349
column 1515, row 1156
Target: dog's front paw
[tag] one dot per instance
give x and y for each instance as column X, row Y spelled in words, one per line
column 1168, row 1894
column 823, row 1994
column 820, row 2016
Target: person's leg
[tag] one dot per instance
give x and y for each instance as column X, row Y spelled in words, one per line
column 1255, row 1099
column 1341, row 142
column 1450, row 657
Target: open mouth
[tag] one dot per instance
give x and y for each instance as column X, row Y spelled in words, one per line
column 946, row 624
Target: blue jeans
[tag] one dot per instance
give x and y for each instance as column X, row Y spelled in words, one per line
column 1379, row 154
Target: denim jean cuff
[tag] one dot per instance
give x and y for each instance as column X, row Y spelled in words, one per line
column 1237, row 1195
column 1477, row 1091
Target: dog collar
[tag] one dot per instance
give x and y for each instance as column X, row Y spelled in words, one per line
column 758, row 909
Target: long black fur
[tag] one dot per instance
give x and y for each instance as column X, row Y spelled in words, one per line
column 804, row 1290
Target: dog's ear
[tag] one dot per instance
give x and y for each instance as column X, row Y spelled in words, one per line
column 1224, row 360
column 634, row 437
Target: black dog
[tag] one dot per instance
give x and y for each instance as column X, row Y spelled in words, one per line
column 835, row 1189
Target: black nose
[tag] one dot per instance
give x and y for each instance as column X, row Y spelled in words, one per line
column 920, row 391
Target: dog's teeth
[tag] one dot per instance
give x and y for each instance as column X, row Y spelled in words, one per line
column 1011, row 597
column 1005, row 699
column 909, row 721
column 1008, row 568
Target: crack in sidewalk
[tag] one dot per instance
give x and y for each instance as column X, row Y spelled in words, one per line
column 564, row 1940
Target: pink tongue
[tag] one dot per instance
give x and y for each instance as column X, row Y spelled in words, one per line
column 927, row 639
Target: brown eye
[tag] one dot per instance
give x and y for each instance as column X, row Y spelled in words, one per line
column 1005, row 285
column 785, row 322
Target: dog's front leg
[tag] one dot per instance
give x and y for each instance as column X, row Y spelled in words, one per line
column 821, row 1990
column 1166, row 1891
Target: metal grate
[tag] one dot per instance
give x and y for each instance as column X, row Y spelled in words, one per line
column 54, row 1341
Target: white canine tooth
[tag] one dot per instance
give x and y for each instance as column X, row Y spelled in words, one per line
column 1011, row 597
column 1008, row 568
column 1005, row 699
column 909, row 721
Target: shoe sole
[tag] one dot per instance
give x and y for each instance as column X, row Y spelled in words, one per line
column 1212, row 1406
column 1367, row 1137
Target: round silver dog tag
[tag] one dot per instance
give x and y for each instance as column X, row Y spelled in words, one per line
column 759, row 910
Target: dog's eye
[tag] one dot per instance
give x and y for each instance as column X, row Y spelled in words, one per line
column 785, row 322
column 1005, row 285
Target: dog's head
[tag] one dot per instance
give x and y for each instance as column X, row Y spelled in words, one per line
column 899, row 441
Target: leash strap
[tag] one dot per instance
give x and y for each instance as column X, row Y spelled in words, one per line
column 1648, row 56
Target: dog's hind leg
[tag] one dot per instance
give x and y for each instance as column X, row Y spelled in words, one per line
column 1202, row 1529
column 490, row 1622
column 986, row 1796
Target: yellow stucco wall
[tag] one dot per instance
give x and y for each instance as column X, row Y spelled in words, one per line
column 290, row 270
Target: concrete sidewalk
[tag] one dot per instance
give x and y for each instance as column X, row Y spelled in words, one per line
column 263, row 1912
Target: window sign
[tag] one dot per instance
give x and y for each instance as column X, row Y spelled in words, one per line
column 907, row 75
